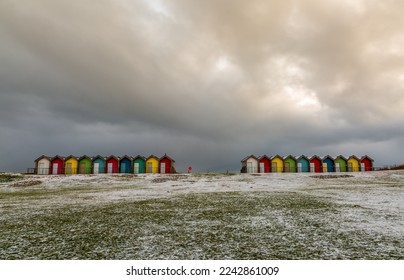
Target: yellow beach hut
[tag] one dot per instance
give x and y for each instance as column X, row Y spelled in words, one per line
column 353, row 164
column 152, row 164
column 277, row 164
column 71, row 165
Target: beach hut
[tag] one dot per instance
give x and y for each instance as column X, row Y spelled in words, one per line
column 71, row 165
column 315, row 164
column 250, row 164
column 366, row 163
column 166, row 164
column 277, row 164
column 125, row 164
column 289, row 164
column 303, row 164
column 56, row 165
column 139, row 164
column 98, row 165
column 112, row 163
column 84, row 165
column 264, row 164
column 42, row 165
column 328, row 164
column 340, row 164
column 152, row 164
column 353, row 164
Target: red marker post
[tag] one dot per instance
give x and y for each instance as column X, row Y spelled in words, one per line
column 189, row 169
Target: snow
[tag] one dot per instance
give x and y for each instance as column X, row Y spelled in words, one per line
column 371, row 203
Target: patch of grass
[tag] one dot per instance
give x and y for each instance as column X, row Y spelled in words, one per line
column 6, row 177
column 331, row 176
column 233, row 225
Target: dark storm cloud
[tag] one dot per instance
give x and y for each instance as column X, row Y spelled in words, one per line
column 207, row 82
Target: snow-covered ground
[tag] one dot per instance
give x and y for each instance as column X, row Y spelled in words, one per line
column 351, row 215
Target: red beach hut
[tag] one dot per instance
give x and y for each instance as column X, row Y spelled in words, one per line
column 57, row 163
column 166, row 164
column 315, row 164
column 366, row 163
column 264, row 164
column 112, row 164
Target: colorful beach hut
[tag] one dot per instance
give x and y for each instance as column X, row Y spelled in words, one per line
column 139, row 163
column 277, row 164
column 166, row 165
column 366, row 163
column 112, row 163
column 328, row 164
column 98, row 165
column 303, row 164
column 315, row 164
column 71, row 165
column 264, row 164
column 125, row 164
column 289, row 164
column 152, row 164
column 340, row 164
column 42, row 165
column 56, row 165
column 84, row 165
column 353, row 164
column 249, row 164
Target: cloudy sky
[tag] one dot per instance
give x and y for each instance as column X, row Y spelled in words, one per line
column 207, row 82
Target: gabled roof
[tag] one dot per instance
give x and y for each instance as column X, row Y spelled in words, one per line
column 127, row 157
column 264, row 156
column 114, row 157
column 328, row 156
column 289, row 156
column 99, row 157
column 165, row 156
column 43, row 157
column 277, row 156
column 70, row 157
column 303, row 156
column 315, row 156
column 342, row 157
column 139, row 156
column 84, row 157
column 57, row 156
column 152, row 156
column 354, row 157
column 366, row 156
column 250, row 156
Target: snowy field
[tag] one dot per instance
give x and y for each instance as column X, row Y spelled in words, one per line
column 203, row 216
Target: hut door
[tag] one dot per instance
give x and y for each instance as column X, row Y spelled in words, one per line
column 287, row 166
column 325, row 167
column 96, row 167
column 136, row 168
column 274, row 167
column 262, row 167
column 350, row 166
column 41, row 168
column 249, row 167
column 110, row 167
column 299, row 167
column 55, row 168
column 68, row 168
column 362, row 166
column 312, row 167
column 82, row 168
column 149, row 167
column 163, row 168
column 123, row 167
column 337, row 168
